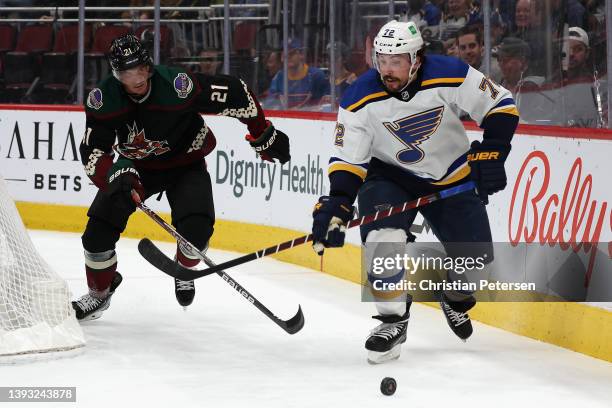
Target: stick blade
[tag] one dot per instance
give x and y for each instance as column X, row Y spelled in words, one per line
column 158, row 259
column 294, row 324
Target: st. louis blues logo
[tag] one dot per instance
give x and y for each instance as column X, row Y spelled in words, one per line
column 183, row 85
column 138, row 146
column 414, row 130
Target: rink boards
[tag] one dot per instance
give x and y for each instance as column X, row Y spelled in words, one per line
column 558, row 189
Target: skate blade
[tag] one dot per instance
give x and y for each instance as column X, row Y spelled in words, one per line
column 464, row 338
column 377, row 357
column 93, row 316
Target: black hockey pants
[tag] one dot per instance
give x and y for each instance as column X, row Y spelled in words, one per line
column 189, row 193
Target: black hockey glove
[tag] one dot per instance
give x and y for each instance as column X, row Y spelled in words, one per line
column 329, row 220
column 487, row 166
column 122, row 179
column 272, row 144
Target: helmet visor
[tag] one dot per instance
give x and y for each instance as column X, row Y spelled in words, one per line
column 392, row 61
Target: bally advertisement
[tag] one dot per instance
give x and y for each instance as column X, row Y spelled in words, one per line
column 558, row 191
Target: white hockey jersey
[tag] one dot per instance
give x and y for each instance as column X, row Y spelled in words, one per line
column 422, row 135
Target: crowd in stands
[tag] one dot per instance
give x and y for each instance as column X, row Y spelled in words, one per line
column 551, row 54
column 543, row 51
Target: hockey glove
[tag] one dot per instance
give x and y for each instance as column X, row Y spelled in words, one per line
column 329, row 220
column 272, row 144
column 122, row 179
column 487, row 166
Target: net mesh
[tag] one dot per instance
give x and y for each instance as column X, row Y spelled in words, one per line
column 35, row 311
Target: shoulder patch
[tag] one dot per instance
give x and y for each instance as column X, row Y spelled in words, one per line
column 183, row 85
column 94, row 99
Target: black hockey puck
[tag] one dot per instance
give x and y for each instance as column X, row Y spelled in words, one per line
column 388, row 386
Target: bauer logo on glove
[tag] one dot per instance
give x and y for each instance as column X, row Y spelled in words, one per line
column 121, row 171
column 487, row 159
column 483, row 156
column 271, row 144
column 122, row 179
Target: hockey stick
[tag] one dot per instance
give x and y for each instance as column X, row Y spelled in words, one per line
column 291, row 326
column 182, row 273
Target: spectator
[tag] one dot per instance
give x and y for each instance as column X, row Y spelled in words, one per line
column 145, row 15
column 579, row 53
column 307, row 85
column 431, row 13
column 423, row 13
column 343, row 77
column 575, row 14
column 210, row 61
column 513, row 58
column 471, row 50
column 272, row 63
column 458, row 14
column 584, row 100
column 451, row 48
column 368, row 43
column 506, row 9
column 530, row 28
column 498, row 28
column 524, row 15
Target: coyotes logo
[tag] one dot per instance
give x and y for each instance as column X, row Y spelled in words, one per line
column 138, row 146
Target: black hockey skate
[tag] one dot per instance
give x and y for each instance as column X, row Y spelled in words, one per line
column 457, row 317
column 385, row 341
column 91, row 308
column 184, row 291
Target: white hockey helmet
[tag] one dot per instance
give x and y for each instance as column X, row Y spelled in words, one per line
column 397, row 37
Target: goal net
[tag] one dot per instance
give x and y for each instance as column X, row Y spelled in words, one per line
column 35, row 311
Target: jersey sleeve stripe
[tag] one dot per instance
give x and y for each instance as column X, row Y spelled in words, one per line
column 506, row 105
column 366, row 99
column 511, row 110
column 438, row 81
column 351, row 168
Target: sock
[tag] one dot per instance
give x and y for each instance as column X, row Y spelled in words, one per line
column 100, row 268
column 187, row 260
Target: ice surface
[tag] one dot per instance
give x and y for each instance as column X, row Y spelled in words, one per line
column 222, row 352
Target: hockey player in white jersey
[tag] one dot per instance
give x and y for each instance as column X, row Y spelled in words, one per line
column 398, row 138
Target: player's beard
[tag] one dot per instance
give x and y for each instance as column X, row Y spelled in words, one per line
column 396, row 85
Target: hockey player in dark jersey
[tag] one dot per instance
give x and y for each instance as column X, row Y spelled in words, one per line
column 149, row 118
column 398, row 137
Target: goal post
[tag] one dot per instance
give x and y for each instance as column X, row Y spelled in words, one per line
column 35, row 311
